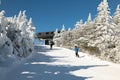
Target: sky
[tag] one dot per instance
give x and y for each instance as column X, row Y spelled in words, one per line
column 48, row 15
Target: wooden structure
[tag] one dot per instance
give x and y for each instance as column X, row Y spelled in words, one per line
column 47, row 36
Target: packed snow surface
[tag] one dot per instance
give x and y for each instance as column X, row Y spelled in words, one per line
column 59, row 64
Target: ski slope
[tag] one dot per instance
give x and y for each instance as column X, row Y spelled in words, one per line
column 61, row 64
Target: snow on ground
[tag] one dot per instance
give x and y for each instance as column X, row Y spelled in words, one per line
column 61, row 64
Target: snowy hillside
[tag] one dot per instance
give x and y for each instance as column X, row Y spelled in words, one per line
column 60, row 64
column 99, row 36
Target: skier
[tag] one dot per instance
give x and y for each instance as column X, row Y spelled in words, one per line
column 76, row 51
column 51, row 43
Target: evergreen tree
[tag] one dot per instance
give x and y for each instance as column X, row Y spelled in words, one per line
column 63, row 28
column 16, row 35
column 99, row 37
column 104, row 13
column 79, row 24
column 116, row 16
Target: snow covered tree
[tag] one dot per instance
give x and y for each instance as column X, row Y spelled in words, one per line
column 23, row 42
column 55, row 37
column 30, row 29
column 103, row 36
column 99, row 37
column 62, row 32
column 5, row 43
column 56, row 33
column 69, row 29
column 79, row 24
column 116, row 17
column 63, row 28
column 16, row 35
column 89, row 22
column 104, row 13
column 62, row 38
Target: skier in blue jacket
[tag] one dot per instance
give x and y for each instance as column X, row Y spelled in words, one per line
column 76, row 51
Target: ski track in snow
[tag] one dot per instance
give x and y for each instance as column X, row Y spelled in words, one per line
column 61, row 64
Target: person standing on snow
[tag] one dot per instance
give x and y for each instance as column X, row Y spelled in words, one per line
column 76, row 51
column 51, row 44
